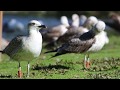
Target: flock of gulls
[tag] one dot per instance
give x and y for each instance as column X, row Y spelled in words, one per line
column 81, row 35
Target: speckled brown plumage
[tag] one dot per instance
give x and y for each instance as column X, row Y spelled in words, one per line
column 76, row 46
column 73, row 32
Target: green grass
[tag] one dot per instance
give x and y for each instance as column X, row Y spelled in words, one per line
column 105, row 64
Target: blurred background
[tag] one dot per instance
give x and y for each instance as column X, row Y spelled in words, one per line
column 57, row 14
column 15, row 22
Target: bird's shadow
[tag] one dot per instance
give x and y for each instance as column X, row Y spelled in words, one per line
column 49, row 67
column 5, row 76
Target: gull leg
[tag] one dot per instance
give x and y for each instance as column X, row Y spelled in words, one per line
column 85, row 60
column 28, row 69
column 19, row 71
column 88, row 62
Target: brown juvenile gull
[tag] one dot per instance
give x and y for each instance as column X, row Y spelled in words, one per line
column 86, row 43
column 26, row 48
column 76, row 31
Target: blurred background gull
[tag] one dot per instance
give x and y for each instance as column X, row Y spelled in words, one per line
column 14, row 22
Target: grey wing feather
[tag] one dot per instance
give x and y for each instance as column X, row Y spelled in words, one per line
column 13, row 46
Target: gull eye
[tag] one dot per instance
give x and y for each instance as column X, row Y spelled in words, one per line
column 32, row 23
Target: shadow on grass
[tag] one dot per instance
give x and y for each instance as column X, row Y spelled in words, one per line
column 5, row 76
column 50, row 67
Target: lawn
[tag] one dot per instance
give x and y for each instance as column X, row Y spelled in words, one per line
column 105, row 64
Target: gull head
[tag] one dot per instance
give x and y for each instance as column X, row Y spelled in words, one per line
column 75, row 17
column 100, row 26
column 83, row 18
column 93, row 20
column 34, row 24
column 64, row 21
column 90, row 22
column 75, row 20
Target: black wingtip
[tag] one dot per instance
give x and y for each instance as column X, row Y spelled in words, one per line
column 57, row 54
column 49, row 51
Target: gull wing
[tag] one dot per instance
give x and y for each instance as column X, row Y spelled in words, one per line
column 14, row 45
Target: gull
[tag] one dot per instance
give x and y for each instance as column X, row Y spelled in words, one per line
column 64, row 21
column 76, row 31
column 71, row 33
column 100, row 37
column 12, row 26
column 85, row 43
column 113, row 21
column 75, row 20
column 83, row 18
column 26, row 48
column 52, row 34
column 72, row 29
column 91, row 21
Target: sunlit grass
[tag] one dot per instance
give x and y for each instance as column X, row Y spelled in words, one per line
column 104, row 64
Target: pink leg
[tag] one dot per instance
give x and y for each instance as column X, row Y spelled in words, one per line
column 19, row 71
